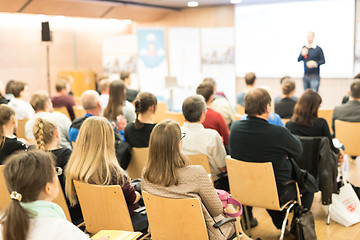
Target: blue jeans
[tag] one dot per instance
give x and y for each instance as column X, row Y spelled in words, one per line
column 140, row 222
column 311, row 81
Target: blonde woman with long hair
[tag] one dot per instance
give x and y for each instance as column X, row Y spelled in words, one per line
column 94, row 161
column 168, row 174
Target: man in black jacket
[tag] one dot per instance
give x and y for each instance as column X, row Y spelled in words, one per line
column 313, row 57
column 255, row 140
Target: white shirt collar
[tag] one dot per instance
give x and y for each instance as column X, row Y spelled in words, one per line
column 313, row 45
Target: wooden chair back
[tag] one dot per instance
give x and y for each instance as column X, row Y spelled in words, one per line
column 237, row 116
column 327, row 115
column 103, row 207
column 176, row 116
column 4, row 193
column 240, row 109
column 61, row 201
column 62, row 110
column 253, row 184
column 171, row 218
column 79, row 111
column 20, row 131
column 200, row 159
column 348, row 134
column 139, row 158
column 161, row 108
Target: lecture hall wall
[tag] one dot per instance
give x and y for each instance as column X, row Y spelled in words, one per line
column 23, row 56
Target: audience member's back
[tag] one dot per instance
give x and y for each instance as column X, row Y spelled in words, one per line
column 285, row 106
column 350, row 111
column 63, row 98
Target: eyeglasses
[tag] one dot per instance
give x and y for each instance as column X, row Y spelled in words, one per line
column 183, row 135
column 59, row 171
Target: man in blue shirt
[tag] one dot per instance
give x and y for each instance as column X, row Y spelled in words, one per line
column 313, row 57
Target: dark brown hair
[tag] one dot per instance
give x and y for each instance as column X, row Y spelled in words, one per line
column 256, row 101
column 205, row 90
column 17, row 88
column 26, row 173
column 9, row 87
column 142, row 103
column 117, row 99
column 355, row 89
column 306, row 109
column 250, row 78
column 124, row 75
column 5, row 115
column 287, row 87
column 165, row 156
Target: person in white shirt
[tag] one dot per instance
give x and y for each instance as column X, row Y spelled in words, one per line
column 198, row 140
column 20, row 105
column 104, row 97
column 43, row 107
column 31, row 178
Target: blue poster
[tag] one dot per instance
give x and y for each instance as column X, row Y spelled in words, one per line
column 151, row 47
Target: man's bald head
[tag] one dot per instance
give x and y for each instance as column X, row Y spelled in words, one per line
column 90, row 100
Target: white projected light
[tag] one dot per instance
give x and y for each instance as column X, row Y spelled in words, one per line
column 193, row 4
column 269, row 37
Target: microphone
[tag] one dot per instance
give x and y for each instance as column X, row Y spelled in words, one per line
column 305, row 56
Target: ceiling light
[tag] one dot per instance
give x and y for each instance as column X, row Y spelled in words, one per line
column 235, row 1
column 192, row 4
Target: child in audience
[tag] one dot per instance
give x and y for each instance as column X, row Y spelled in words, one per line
column 117, row 103
column 305, row 121
column 137, row 133
column 20, row 105
column 168, row 174
column 94, row 161
column 8, row 141
column 31, row 178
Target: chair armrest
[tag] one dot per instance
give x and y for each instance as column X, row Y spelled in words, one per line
column 223, row 221
column 139, row 210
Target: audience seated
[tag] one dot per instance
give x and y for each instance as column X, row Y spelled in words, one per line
column 273, row 119
column 250, row 83
column 63, row 98
column 285, row 106
column 9, row 90
column 117, row 103
column 346, row 97
column 168, row 174
column 198, row 140
column 137, row 133
column 42, row 105
column 255, row 140
column 31, row 178
column 278, row 98
column 213, row 119
column 19, row 104
column 95, row 162
column 220, row 104
column 104, row 96
column 350, row 111
column 130, row 93
column 8, row 141
column 305, row 121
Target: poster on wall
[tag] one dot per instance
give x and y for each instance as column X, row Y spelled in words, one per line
column 120, row 55
column 152, row 63
column 217, row 48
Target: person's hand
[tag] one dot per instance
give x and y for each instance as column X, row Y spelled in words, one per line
column 304, row 51
column 121, row 123
column 311, row 64
column 341, row 156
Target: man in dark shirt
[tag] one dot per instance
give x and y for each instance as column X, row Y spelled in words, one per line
column 255, row 140
column 350, row 111
column 313, row 57
column 63, row 98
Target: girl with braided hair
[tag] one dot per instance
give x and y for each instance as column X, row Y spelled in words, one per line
column 48, row 139
column 8, row 141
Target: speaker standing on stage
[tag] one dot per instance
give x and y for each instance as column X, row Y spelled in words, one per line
column 313, row 57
